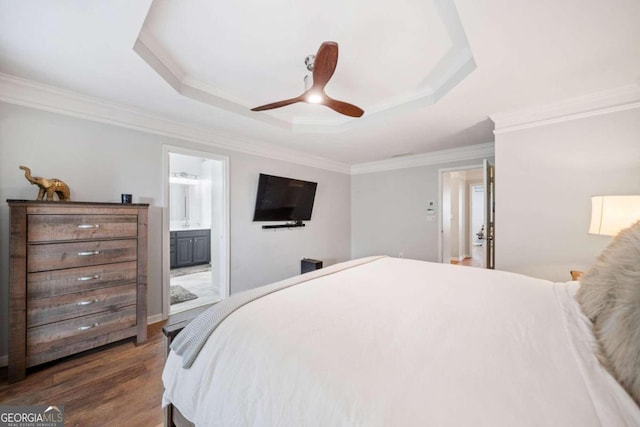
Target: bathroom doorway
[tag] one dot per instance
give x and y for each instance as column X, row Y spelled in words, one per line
column 195, row 229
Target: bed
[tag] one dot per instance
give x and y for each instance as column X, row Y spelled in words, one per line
column 382, row 341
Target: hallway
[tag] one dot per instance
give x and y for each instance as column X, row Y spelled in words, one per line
column 477, row 255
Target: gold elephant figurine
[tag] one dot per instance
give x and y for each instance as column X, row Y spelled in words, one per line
column 50, row 186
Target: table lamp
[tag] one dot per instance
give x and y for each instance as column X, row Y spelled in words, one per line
column 610, row 214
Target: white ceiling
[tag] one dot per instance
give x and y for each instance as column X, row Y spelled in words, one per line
column 427, row 77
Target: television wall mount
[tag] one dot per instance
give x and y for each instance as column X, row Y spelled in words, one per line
column 292, row 224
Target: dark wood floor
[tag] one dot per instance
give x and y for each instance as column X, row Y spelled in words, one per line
column 116, row 385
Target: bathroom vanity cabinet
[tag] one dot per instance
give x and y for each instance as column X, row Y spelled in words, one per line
column 189, row 247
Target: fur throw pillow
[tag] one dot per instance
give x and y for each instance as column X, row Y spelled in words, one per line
column 609, row 295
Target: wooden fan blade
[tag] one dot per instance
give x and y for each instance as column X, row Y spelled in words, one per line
column 325, row 64
column 343, row 107
column 278, row 104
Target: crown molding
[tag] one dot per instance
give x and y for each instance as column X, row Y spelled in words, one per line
column 594, row 104
column 162, row 63
column 27, row 93
column 471, row 152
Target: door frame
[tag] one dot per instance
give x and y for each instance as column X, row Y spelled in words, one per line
column 490, row 214
column 224, row 236
column 441, row 173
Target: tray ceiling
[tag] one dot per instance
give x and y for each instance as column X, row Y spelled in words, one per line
column 239, row 55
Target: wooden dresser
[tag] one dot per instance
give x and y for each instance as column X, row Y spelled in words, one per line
column 78, row 278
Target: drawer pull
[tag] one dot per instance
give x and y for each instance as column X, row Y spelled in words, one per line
column 88, row 226
column 85, row 278
column 88, row 253
column 88, row 302
column 87, row 327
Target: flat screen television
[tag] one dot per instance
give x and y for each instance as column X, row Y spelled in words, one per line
column 284, row 199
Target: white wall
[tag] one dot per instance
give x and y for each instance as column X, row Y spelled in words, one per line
column 99, row 162
column 389, row 209
column 263, row 256
column 545, row 177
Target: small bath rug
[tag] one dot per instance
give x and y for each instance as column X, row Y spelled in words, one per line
column 179, row 294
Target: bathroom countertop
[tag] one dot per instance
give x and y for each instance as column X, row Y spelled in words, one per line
column 188, row 228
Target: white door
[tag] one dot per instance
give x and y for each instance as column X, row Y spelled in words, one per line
column 489, row 214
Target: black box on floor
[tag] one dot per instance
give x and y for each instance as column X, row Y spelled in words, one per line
column 308, row 264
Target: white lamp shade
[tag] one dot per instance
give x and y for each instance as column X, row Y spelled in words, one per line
column 610, row 214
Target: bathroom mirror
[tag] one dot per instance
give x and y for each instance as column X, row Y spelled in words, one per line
column 179, row 202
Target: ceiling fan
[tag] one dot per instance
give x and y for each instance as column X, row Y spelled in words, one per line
column 322, row 64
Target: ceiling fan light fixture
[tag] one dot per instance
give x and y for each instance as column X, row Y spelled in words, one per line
column 314, row 98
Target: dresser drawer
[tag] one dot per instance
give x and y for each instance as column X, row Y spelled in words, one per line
column 56, row 340
column 56, row 256
column 63, row 307
column 58, row 282
column 47, row 228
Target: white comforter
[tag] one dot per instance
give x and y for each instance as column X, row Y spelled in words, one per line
column 398, row 342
